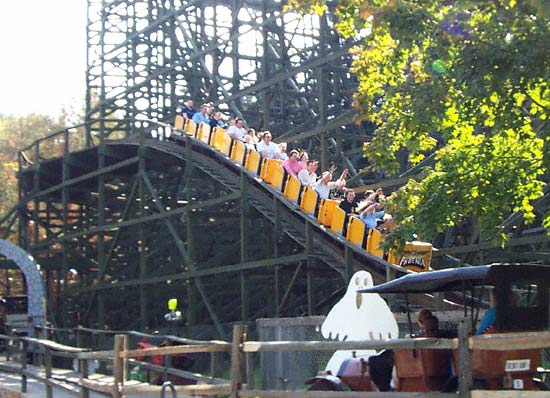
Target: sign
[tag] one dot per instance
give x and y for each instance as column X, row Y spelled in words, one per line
column 517, row 365
column 413, row 261
column 518, row 384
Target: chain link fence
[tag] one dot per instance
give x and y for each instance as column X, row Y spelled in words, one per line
column 290, row 370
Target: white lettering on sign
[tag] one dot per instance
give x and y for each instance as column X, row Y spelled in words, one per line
column 412, row 261
column 517, row 365
column 518, row 384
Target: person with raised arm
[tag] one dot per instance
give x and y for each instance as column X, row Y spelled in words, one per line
column 325, row 183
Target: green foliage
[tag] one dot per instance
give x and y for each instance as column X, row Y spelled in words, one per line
column 15, row 134
column 473, row 74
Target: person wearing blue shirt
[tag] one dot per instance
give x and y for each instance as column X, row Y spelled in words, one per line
column 488, row 320
column 203, row 116
column 490, row 317
column 372, row 214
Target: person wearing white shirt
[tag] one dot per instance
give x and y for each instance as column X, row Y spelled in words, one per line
column 307, row 176
column 237, row 131
column 282, row 149
column 267, row 148
column 324, row 185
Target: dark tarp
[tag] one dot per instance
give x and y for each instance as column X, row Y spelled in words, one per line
column 459, row 278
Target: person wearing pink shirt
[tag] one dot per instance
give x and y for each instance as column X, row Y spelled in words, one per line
column 292, row 165
column 303, row 159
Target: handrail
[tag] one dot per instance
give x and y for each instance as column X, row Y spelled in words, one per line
column 35, row 145
column 91, row 121
column 120, row 355
column 57, row 133
column 53, row 345
column 134, row 333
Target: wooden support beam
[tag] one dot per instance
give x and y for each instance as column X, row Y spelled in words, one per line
column 119, row 364
column 503, row 342
column 84, row 177
column 239, row 333
column 285, row 76
column 526, row 240
column 177, row 349
column 198, row 273
column 188, row 260
column 343, row 119
column 288, row 290
column 342, row 394
column 244, row 244
column 48, row 371
column 195, row 390
column 121, row 224
column 465, row 380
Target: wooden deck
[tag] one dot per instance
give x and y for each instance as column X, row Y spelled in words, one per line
column 66, row 383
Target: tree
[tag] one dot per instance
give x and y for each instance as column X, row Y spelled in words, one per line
column 466, row 81
column 15, row 134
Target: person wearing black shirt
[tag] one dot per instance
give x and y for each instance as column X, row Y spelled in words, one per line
column 348, row 204
column 187, row 110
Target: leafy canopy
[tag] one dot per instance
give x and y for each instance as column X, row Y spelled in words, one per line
column 468, row 80
column 17, row 132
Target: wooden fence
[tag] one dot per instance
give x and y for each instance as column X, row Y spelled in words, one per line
column 119, row 385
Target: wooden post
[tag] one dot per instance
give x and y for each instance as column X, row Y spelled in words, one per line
column 348, row 259
column 84, row 392
column 9, row 342
column 119, row 365
column 439, row 301
column 37, row 359
column 236, row 360
column 78, row 335
column 390, row 275
column 126, row 363
column 249, row 365
column 48, row 366
column 213, row 364
column 24, row 367
column 465, row 380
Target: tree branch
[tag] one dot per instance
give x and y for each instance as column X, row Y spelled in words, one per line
column 538, row 103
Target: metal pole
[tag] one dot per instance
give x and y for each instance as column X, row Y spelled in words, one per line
column 169, row 385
